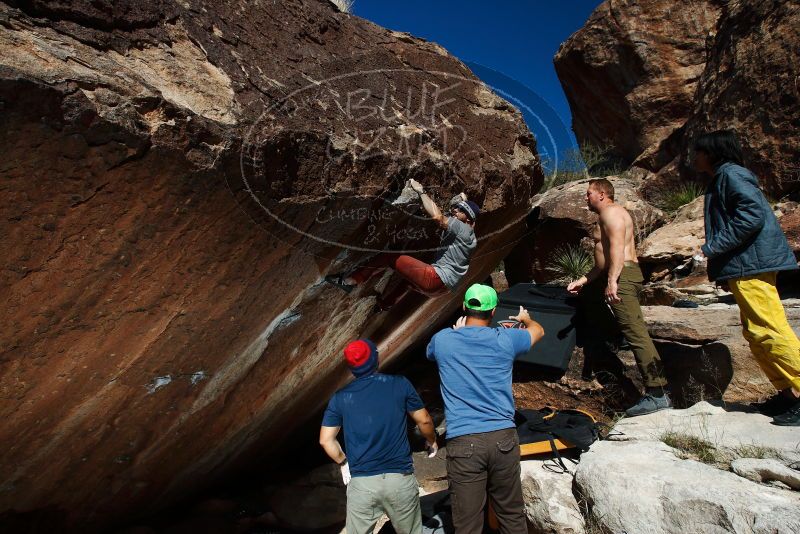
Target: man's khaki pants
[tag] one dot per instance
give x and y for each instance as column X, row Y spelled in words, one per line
column 627, row 314
column 395, row 494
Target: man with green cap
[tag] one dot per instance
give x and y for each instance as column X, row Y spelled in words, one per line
column 475, row 364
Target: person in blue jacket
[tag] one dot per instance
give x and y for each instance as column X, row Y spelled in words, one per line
column 746, row 248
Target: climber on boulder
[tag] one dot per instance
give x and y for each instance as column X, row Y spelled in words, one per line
column 434, row 279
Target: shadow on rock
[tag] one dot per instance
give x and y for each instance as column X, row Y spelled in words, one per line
column 695, row 372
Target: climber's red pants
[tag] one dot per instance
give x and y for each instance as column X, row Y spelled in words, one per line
column 417, row 276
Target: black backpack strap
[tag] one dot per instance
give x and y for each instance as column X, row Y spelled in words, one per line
column 557, row 465
column 610, row 432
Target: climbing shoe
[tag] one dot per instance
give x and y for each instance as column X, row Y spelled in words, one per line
column 775, row 405
column 649, row 404
column 790, row 417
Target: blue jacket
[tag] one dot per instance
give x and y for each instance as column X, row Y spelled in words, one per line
column 743, row 236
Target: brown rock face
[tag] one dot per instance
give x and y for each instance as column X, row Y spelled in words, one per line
column 176, row 179
column 651, row 76
column 751, row 84
column 790, row 224
column 630, row 74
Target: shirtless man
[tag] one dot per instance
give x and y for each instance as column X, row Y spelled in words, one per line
column 615, row 281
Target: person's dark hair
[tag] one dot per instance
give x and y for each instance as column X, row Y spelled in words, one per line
column 721, row 146
column 477, row 314
column 601, row 184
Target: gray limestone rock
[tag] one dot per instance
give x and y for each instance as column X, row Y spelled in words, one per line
column 766, row 470
column 550, row 505
column 644, row 487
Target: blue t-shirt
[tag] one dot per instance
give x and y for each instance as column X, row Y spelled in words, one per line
column 372, row 411
column 475, row 364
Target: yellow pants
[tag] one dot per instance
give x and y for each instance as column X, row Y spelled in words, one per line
column 772, row 341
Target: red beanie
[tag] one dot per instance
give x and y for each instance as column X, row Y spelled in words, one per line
column 356, row 353
column 361, row 357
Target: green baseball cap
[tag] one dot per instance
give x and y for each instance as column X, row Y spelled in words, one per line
column 480, row 298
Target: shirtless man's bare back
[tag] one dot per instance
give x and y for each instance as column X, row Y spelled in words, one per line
column 617, row 280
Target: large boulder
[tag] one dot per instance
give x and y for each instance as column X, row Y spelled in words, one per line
column 705, row 355
column 677, row 240
column 645, row 487
column 177, row 178
column 650, row 76
column 669, row 249
column 630, row 74
column 643, row 484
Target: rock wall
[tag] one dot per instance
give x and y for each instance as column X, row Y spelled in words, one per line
column 630, row 74
column 650, row 76
column 177, row 178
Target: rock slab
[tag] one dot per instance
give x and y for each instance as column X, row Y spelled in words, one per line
column 644, row 487
column 550, row 505
column 674, row 493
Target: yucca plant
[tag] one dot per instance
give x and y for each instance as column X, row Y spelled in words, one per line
column 569, row 262
column 672, row 199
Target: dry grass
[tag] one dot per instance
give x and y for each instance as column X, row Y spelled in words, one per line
column 756, row 451
column 691, row 447
column 694, row 448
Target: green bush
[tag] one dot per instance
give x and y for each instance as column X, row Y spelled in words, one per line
column 672, row 199
column 570, row 262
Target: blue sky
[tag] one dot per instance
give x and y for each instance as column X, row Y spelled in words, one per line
column 516, row 39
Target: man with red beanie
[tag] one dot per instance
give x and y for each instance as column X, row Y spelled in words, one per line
column 377, row 469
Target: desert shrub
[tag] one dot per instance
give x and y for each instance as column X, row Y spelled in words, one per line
column 601, row 159
column 570, row 169
column 570, row 262
column 672, row 199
